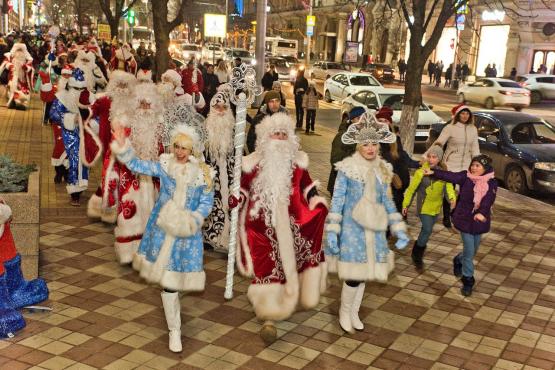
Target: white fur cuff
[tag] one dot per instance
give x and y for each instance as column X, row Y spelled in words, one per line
column 315, row 200
column 46, row 87
column 333, row 228
column 5, row 213
column 392, row 217
column 334, row 218
column 398, row 227
column 124, row 153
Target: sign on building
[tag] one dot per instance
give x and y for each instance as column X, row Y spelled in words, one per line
column 215, row 25
column 351, row 52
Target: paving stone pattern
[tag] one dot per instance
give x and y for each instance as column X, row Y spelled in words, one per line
column 105, row 317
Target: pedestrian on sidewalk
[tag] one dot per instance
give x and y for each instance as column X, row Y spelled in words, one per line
column 269, row 77
column 310, row 103
column 402, row 66
column 429, row 199
column 459, row 140
column 448, row 74
column 340, row 150
column 171, row 250
column 437, row 73
column 465, row 70
column 360, row 213
column 299, row 89
column 431, row 71
column 472, row 214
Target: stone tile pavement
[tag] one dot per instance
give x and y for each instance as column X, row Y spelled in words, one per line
column 105, row 317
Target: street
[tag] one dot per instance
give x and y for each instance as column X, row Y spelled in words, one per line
column 441, row 99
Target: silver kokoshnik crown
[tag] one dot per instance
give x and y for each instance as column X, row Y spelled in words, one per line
column 368, row 130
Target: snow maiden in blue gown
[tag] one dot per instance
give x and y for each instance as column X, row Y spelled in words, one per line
column 361, row 211
column 171, row 250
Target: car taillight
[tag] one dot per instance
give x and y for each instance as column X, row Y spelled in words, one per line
column 523, row 84
column 505, row 92
column 526, row 93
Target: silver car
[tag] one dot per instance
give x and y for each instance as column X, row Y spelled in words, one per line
column 325, row 70
column 374, row 99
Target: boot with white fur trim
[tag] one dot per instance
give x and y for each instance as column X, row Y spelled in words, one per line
column 172, row 310
column 345, row 309
column 355, row 320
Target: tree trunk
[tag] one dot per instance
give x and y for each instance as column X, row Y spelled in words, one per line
column 162, row 41
column 114, row 23
column 412, row 100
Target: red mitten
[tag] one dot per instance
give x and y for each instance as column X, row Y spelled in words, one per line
column 233, row 201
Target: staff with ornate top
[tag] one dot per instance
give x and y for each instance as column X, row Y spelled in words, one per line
column 242, row 90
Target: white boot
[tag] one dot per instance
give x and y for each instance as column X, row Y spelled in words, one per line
column 347, row 296
column 172, row 309
column 355, row 320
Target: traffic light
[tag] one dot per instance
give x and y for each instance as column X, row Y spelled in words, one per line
column 131, row 16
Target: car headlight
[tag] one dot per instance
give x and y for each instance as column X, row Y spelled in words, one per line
column 546, row 166
column 253, row 62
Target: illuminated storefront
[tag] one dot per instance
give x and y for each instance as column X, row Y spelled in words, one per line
column 445, row 50
column 488, row 55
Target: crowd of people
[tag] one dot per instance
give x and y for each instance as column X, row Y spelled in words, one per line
column 167, row 171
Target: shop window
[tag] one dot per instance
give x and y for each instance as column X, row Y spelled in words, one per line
column 538, row 60
column 492, row 35
column 550, row 62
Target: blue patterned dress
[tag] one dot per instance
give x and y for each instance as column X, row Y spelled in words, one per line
column 171, row 250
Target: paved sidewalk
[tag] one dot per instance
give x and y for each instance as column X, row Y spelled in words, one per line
column 104, row 316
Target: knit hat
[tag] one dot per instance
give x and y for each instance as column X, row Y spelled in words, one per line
column 386, row 113
column 484, row 160
column 271, row 95
column 436, row 150
column 356, row 112
column 459, row 108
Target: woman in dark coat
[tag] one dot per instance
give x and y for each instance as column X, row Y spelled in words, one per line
column 340, row 151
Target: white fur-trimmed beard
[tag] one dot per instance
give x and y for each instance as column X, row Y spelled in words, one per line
column 272, row 185
column 167, row 92
column 220, row 133
column 145, row 133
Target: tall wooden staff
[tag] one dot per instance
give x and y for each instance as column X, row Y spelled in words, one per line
column 242, row 90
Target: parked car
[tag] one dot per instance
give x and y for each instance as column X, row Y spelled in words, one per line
column 189, row 51
column 522, row 147
column 382, row 72
column 342, row 85
column 232, row 53
column 375, row 99
column 325, row 70
column 212, row 52
column 540, row 86
column 495, row 92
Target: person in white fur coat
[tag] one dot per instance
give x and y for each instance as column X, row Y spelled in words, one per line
column 281, row 223
column 171, row 250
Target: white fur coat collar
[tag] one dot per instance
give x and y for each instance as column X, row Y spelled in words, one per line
column 189, row 173
column 356, row 168
column 251, row 161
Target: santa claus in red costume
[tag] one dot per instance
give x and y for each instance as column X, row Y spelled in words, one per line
column 135, row 193
column 280, row 226
column 114, row 103
column 123, row 60
column 172, row 92
column 19, row 64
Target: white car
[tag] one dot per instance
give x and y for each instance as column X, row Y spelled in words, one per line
column 540, row 86
column 343, row 85
column 190, row 51
column 232, row 53
column 372, row 100
column 212, row 52
column 492, row 92
column 325, row 70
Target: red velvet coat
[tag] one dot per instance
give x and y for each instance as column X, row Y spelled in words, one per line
column 279, row 282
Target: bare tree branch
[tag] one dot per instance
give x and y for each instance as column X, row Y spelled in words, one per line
column 430, row 14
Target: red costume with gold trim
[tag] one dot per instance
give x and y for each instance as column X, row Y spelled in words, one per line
column 285, row 257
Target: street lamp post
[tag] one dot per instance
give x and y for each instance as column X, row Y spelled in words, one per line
column 308, row 37
column 260, row 37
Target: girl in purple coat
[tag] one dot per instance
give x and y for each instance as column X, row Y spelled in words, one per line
column 472, row 214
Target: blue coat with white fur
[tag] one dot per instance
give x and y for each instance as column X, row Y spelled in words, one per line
column 361, row 210
column 171, row 250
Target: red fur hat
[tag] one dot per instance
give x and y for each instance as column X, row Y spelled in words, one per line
column 385, row 112
column 457, row 109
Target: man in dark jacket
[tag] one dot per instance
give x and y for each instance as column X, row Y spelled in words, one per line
column 272, row 104
column 269, row 77
column 211, row 84
column 301, row 85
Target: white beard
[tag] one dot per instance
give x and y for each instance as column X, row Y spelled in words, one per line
column 220, row 134
column 272, row 185
column 167, row 91
column 145, row 133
